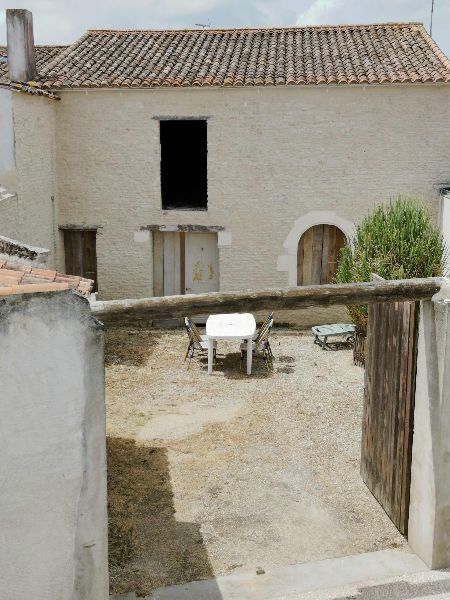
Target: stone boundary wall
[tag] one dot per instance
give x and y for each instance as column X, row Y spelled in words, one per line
column 52, row 443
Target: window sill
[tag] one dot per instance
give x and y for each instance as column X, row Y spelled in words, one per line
column 184, row 209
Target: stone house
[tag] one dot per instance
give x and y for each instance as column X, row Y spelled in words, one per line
column 216, row 159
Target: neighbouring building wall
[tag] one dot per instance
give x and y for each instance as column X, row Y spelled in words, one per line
column 445, row 225
column 429, row 523
column 8, row 197
column 52, row 443
column 7, row 161
column 274, row 155
column 30, row 214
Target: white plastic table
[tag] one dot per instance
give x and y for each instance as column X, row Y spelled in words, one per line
column 234, row 326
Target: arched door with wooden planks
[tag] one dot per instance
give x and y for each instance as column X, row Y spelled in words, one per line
column 318, row 254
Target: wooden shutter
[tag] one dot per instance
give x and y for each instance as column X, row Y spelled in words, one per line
column 318, row 254
column 80, row 248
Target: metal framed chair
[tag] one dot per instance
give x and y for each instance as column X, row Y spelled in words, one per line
column 197, row 341
column 261, row 345
column 263, row 324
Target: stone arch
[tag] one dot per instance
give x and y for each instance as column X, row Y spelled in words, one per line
column 288, row 261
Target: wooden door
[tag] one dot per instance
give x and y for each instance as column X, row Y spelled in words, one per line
column 202, row 263
column 81, row 253
column 185, row 263
column 388, row 411
column 318, row 254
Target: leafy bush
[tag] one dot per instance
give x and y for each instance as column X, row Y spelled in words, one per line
column 396, row 241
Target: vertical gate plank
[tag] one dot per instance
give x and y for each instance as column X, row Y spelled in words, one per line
column 317, row 251
column 182, row 262
column 307, row 256
column 325, row 254
column 158, row 263
column 331, row 254
column 80, row 252
column 410, row 392
column 90, row 256
column 300, row 251
column 68, row 252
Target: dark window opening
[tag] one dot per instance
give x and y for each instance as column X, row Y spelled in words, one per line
column 184, row 164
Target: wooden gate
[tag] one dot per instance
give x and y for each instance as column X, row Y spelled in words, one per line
column 389, row 406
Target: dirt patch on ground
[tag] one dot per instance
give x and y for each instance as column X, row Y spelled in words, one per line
column 217, row 473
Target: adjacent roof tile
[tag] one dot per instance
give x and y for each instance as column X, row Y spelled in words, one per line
column 21, row 276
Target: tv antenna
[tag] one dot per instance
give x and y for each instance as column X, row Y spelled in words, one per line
column 203, row 25
column 431, row 17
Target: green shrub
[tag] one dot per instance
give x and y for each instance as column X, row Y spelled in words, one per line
column 396, row 241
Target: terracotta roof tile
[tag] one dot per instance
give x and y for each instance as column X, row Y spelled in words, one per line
column 23, row 276
column 32, row 289
column 44, row 55
column 344, row 54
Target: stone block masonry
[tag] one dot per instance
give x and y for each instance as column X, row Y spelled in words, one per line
column 52, row 443
column 274, row 155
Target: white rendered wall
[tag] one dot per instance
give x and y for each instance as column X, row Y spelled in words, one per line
column 52, row 447
column 445, row 226
column 429, row 512
column 7, row 162
column 31, row 214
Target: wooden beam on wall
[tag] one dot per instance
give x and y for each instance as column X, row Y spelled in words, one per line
column 271, row 299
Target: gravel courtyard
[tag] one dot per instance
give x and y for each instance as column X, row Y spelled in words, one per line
column 211, row 474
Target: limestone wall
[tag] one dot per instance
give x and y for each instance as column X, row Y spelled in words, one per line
column 274, row 155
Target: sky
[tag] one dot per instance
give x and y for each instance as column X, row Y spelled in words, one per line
column 63, row 21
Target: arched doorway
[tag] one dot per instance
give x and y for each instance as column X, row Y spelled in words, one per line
column 318, row 254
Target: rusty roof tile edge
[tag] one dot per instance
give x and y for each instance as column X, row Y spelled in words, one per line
column 31, row 88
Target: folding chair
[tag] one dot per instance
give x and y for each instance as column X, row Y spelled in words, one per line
column 260, row 346
column 197, row 341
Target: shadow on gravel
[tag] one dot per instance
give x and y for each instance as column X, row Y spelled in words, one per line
column 229, row 364
column 148, row 547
